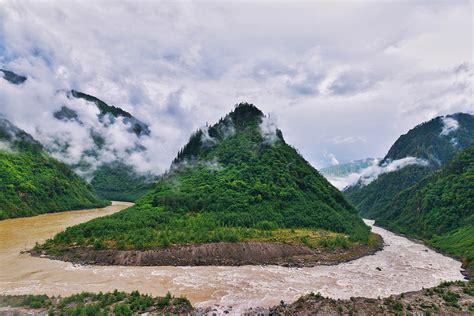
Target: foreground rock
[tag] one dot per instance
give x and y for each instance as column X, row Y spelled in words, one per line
column 219, row 254
column 452, row 298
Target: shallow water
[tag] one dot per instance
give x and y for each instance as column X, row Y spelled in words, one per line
column 405, row 266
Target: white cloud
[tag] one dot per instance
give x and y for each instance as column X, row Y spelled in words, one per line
column 268, row 129
column 371, row 173
column 449, row 125
column 179, row 65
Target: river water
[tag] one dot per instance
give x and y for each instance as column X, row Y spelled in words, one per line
column 405, row 266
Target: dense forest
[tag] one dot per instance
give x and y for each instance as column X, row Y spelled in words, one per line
column 32, row 182
column 439, row 209
column 432, row 141
column 117, row 181
column 233, row 181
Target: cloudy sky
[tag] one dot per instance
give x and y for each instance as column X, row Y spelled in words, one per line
column 343, row 79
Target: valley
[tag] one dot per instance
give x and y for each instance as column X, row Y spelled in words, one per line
column 402, row 266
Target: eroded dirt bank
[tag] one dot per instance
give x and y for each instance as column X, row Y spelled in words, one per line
column 219, row 254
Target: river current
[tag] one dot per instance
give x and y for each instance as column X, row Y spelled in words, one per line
column 402, row 266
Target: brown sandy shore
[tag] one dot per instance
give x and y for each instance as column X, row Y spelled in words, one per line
column 217, row 254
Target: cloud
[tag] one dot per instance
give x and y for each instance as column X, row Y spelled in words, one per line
column 449, row 125
column 332, row 159
column 268, row 129
column 371, row 173
column 179, row 65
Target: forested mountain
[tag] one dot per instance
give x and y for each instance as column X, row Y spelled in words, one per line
column 94, row 162
column 32, row 182
column 114, row 180
column 432, row 143
column 118, row 181
column 234, row 181
column 439, row 208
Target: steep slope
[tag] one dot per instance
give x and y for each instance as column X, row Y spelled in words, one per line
column 32, row 183
column 439, row 209
column 236, row 181
column 423, row 150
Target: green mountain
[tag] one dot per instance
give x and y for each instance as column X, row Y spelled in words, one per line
column 237, row 180
column 439, row 208
column 32, row 182
column 418, row 153
column 118, row 181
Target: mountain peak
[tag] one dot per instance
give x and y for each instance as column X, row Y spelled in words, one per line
column 244, row 113
column 12, row 77
column 244, row 118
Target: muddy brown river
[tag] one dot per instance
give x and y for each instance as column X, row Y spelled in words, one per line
column 405, row 266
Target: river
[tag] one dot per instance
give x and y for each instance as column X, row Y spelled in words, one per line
column 405, row 266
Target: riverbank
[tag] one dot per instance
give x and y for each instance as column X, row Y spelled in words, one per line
column 219, row 254
column 401, row 266
column 447, row 298
column 453, row 298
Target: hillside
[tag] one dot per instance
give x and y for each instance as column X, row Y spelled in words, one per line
column 432, row 143
column 236, row 181
column 439, row 209
column 118, row 181
column 34, row 183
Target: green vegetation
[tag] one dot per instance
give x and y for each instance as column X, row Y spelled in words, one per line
column 425, row 141
column 375, row 196
column 112, row 303
column 439, row 209
column 449, row 298
column 118, row 181
column 231, row 182
column 32, row 183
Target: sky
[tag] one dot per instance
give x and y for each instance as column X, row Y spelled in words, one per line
column 342, row 79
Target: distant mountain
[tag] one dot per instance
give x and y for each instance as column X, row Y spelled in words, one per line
column 32, row 182
column 439, row 208
column 237, row 180
column 345, row 169
column 413, row 156
column 136, row 126
column 346, row 174
column 102, row 155
column 12, row 77
column 114, row 180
